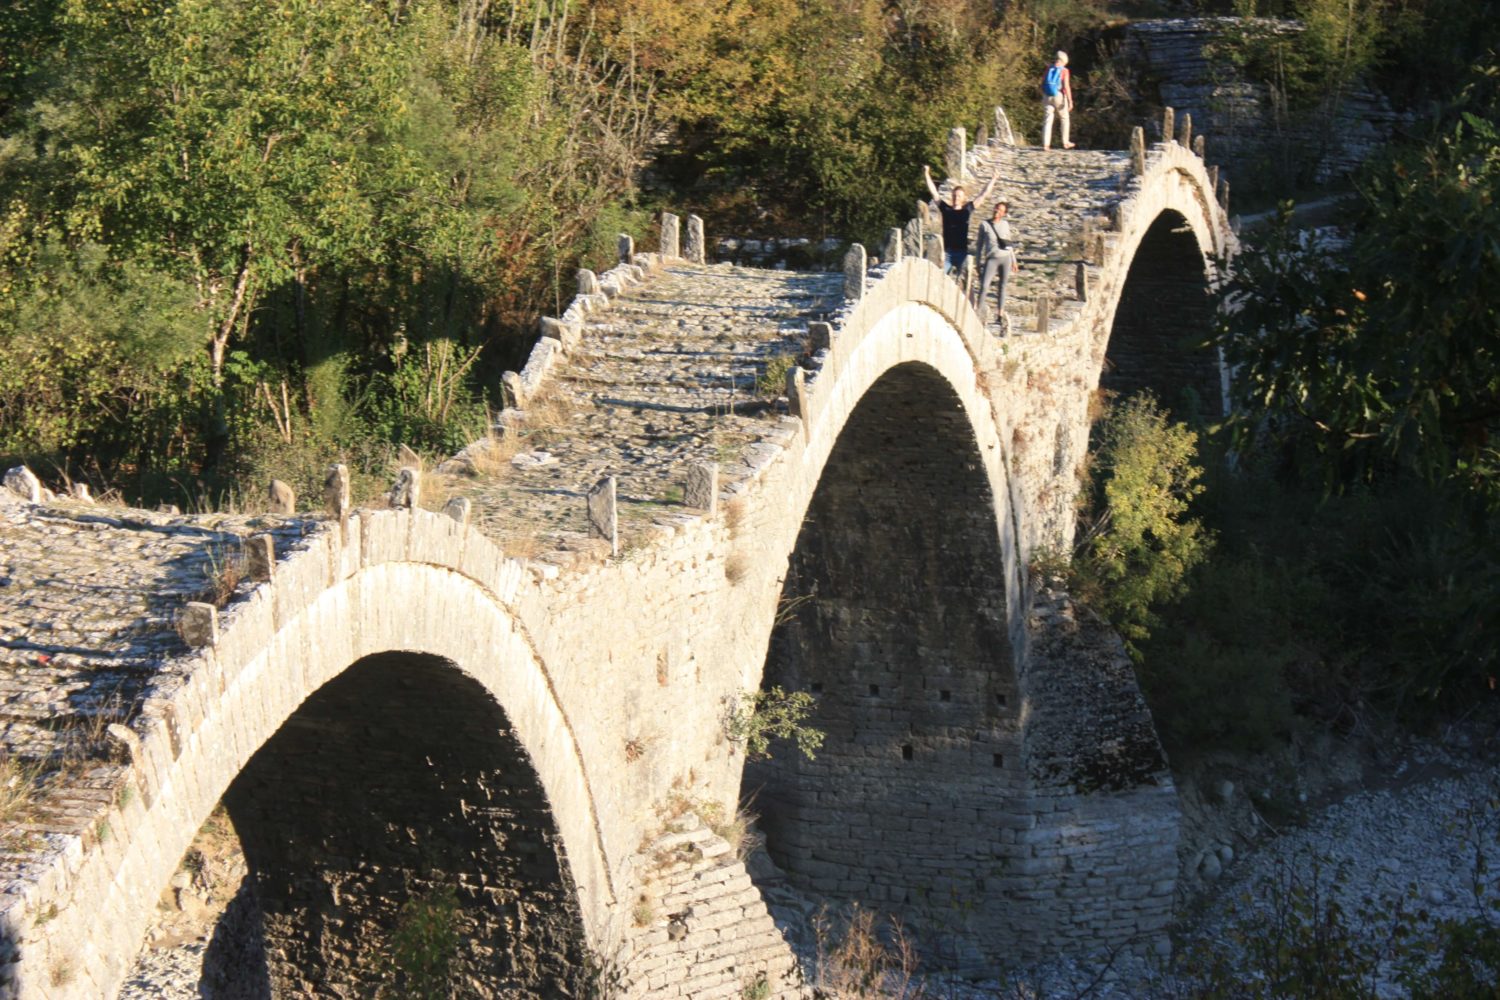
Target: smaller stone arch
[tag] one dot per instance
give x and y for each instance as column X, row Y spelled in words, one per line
column 1160, row 309
column 412, row 584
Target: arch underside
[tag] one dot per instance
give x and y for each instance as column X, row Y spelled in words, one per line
column 894, row 618
column 1162, row 322
column 398, row 837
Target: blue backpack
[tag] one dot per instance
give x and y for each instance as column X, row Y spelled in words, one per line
column 1052, row 82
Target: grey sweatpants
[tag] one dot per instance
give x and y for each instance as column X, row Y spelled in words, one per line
column 999, row 266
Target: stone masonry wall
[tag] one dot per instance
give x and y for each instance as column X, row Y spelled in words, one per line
column 898, row 628
column 1164, row 316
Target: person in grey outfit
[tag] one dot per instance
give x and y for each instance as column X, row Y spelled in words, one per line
column 997, row 256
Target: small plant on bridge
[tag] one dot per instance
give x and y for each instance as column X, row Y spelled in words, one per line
column 755, row 720
column 424, row 945
column 772, row 381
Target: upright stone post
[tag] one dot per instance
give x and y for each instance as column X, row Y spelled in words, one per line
column 982, row 135
column 513, row 390
column 459, row 509
column 604, row 515
column 671, row 230
column 891, row 252
column 1185, row 131
column 260, row 557
column 1138, row 151
column 1002, row 127
column 1081, row 281
column 588, row 282
column 1224, row 195
column 695, row 251
column 23, row 483
column 796, row 395
column 854, row 273
column 336, row 492
column 281, row 498
column 1044, row 314
column 932, row 249
column 627, row 248
column 819, row 336
column 1213, row 178
column 701, row 491
column 198, row 624
column 1200, row 147
column 1168, row 127
column 407, row 493
column 953, row 156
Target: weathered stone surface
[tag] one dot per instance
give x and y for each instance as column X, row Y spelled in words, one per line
column 701, row 489
column 627, row 248
column 671, row 234
column 855, row 267
column 406, row 494
column 604, row 519
column 954, row 154
column 459, row 509
column 22, row 482
column 260, row 557
column 588, row 282
column 894, row 241
column 281, row 498
column 1174, row 59
column 336, row 491
column 198, row 624
column 695, row 248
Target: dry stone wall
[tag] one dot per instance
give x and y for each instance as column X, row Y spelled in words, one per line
column 609, row 662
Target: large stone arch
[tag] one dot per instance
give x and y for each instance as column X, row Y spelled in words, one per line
column 392, row 583
column 900, row 612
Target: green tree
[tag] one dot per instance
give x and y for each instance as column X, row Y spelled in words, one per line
column 1136, row 541
column 1387, row 355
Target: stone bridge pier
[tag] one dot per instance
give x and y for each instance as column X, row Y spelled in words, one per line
column 498, row 709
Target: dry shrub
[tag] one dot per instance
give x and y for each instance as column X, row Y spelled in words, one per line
column 856, row 960
column 17, row 788
column 736, row 567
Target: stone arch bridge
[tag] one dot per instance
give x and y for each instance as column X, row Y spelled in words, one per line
column 512, row 694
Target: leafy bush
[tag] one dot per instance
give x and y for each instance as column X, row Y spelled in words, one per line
column 775, row 714
column 1136, row 541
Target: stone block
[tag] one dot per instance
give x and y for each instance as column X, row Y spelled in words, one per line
column 855, row 268
column 260, row 557
column 695, row 249
column 701, row 490
column 198, row 624
column 603, row 514
column 671, row 233
column 627, row 248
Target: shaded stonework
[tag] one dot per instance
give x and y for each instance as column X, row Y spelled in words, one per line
column 1164, row 319
column 397, row 788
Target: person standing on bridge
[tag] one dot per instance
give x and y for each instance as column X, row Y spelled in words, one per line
column 955, row 220
column 1057, row 99
column 997, row 256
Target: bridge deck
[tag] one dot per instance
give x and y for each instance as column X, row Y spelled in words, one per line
column 665, row 377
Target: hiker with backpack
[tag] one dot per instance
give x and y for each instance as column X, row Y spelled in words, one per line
column 997, row 256
column 955, row 220
column 1057, row 100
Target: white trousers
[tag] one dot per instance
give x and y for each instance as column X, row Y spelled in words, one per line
column 1055, row 106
